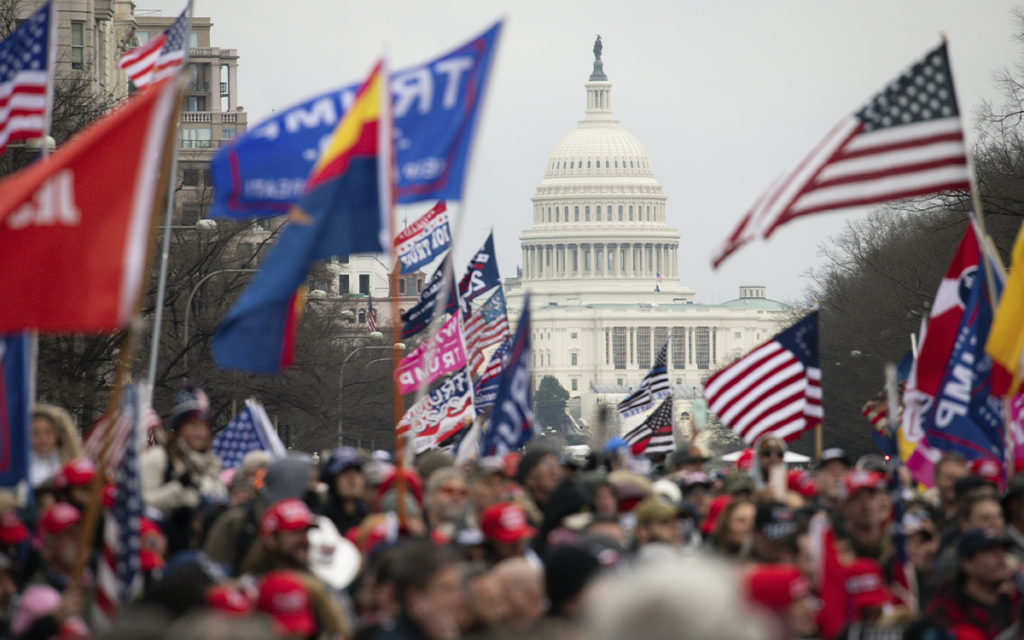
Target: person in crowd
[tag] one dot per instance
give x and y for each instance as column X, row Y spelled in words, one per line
column 732, row 535
column 687, row 460
column 183, row 471
column 828, row 477
column 284, row 596
column 980, row 511
column 950, row 467
column 283, row 543
column 784, row 591
column 922, row 540
column 539, row 472
column 59, row 528
column 428, row 587
column 606, row 499
column 486, row 609
column 865, row 522
column 507, row 532
column 1013, row 514
column 73, row 482
column 522, row 583
column 485, row 486
column 445, row 500
column 569, row 572
column 774, row 537
column 976, row 601
column 54, row 441
column 771, row 452
column 696, row 490
column 247, row 479
column 346, row 488
column 657, row 528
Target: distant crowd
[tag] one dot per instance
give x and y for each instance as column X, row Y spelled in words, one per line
column 530, row 545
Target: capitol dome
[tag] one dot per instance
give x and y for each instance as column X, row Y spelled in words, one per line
column 599, row 212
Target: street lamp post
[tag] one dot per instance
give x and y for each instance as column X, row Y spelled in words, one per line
column 399, row 346
column 188, row 306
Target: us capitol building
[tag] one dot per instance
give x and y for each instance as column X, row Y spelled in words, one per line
column 601, row 264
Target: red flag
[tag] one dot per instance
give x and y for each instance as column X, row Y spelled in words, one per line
column 829, row 577
column 74, row 227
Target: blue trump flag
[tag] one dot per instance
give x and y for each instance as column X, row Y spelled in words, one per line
column 482, row 273
column 419, row 317
column 512, row 419
column 436, row 106
column 15, row 408
column 964, row 416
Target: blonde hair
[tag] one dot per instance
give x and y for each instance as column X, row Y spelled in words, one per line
column 69, row 444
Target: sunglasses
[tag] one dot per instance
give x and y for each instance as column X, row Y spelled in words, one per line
column 454, row 491
column 772, row 453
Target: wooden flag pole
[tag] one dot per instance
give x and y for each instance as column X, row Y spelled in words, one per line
column 127, row 349
column 818, row 440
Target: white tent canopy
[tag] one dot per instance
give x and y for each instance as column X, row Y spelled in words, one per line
column 790, row 457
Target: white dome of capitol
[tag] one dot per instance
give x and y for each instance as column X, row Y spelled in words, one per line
column 599, row 148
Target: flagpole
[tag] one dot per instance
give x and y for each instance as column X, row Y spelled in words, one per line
column 126, row 351
column 165, row 246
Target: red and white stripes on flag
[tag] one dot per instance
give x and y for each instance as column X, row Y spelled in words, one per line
column 776, row 388
column 907, row 141
column 485, row 327
column 161, row 56
column 93, row 443
column 26, row 64
column 371, row 315
column 654, row 435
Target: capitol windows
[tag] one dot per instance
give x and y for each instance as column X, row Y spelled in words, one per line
column 631, row 164
column 619, row 347
column 549, row 214
column 643, row 347
column 630, row 212
column 620, row 213
column 586, row 214
column 605, row 164
column 648, row 213
column 616, row 163
column 576, row 213
column 574, row 359
column 597, row 214
column 660, row 337
column 588, row 166
column 678, row 347
column 702, row 347
column 575, row 384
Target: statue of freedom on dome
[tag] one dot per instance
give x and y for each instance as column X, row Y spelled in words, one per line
column 598, row 73
column 598, row 47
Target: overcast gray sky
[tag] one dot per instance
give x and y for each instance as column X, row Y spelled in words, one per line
column 724, row 95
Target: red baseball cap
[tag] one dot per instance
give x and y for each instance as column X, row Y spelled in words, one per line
column 776, row 586
column 861, row 479
column 284, row 597
column 12, row 529
column 290, row 514
column 78, row 472
column 801, row 482
column 149, row 533
column 58, row 518
column 746, row 460
column 988, row 469
column 865, row 583
column 506, row 522
column 715, row 509
column 228, row 600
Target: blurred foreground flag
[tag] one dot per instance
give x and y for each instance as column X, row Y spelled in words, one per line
column 15, row 408
column 162, row 56
column 1006, row 340
column 436, row 106
column 343, row 211
column 906, row 141
column 26, row 57
column 511, row 424
column 74, row 227
column 775, row 389
column 250, row 430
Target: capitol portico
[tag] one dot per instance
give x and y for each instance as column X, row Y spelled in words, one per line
column 601, row 264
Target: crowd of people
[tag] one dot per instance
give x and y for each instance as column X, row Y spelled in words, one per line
column 348, row 544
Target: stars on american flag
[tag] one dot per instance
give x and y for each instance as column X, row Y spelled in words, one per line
column 923, row 92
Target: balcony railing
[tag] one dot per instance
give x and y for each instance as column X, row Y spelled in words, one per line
column 209, row 117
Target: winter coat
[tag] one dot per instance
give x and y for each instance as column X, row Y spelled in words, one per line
column 170, row 484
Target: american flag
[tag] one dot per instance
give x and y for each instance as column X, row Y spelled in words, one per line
column 250, row 430
column 123, row 428
column 487, row 326
column 906, row 141
column 162, row 55
column 653, row 387
column 654, row 435
column 371, row 315
column 24, row 79
column 119, row 572
column 485, row 392
column 776, row 388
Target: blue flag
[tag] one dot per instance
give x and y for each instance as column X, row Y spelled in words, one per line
column 964, row 416
column 482, row 273
column 419, row 317
column 512, row 419
column 250, row 430
column 436, row 105
column 15, row 408
column 485, row 391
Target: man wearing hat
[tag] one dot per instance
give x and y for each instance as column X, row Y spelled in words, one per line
column 775, row 532
column 284, row 539
column 828, row 476
column 346, row 488
column 657, row 522
column 688, row 460
column 506, row 531
column 862, row 490
column 976, row 600
column 58, row 529
column 539, row 472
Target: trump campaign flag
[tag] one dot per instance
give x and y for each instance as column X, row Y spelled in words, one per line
column 485, row 391
column 15, row 408
column 775, row 389
column 27, row 57
column 447, row 354
column 906, row 141
column 420, row 316
column 482, row 272
column 511, row 424
column 436, row 106
column 74, row 226
column 343, row 211
column 250, row 430
column 441, row 414
column 424, row 240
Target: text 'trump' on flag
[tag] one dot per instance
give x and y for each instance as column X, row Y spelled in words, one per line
column 906, row 141
column 348, row 197
column 776, row 388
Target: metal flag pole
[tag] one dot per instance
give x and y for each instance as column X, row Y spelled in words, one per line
column 165, row 245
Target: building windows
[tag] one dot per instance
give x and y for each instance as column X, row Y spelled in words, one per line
column 364, row 283
column 620, row 213
column 77, row 44
column 678, row 347
column 362, row 316
column 648, row 213
column 196, row 138
column 141, row 37
column 193, row 39
column 630, row 212
column 632, row 352
column 573, row 335
column 737, row 334
column 643, row 347
column 227, row 133
column 574, row 359
column 618, row 381
column 597, row 214
column 343, row 284
column 607, row 348
column 588, row 166
column 195, row 103
column 616, row 163
column 576, row 216
column 401, row 286
column 605, row 164
column 419, row 286
column 549, row 213
column 619, row 347
column 702, row 347
column 586, row 214
column 191, row 178
column 660, row 337
column 679, row 382
column 575, row 384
